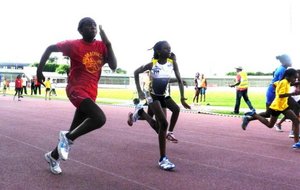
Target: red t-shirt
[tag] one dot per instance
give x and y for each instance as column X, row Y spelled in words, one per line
column 18, row 83
column 36, row 83
column 87, row 60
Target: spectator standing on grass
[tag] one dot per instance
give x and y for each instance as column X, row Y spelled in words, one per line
column 18, row 87
column 24, row 84
column 32, row 87
column 8, row 84
column 4, row 83
column 197, row 82
column 47, row 89
column 87, row 56
column 241, row 84
column 37, row 87
column 53, row 88
column 203, row 87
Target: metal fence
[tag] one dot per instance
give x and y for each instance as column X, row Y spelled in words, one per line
column 127, row 80
column 254, row 81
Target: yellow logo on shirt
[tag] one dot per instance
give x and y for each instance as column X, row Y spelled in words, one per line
column 93, row 61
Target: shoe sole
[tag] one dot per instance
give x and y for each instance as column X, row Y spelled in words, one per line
column 129, row 122
column 172, row 141
column 244, row 124
column 167, row 169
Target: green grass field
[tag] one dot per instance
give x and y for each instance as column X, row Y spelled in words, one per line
column 224, row 98
column 214, row 98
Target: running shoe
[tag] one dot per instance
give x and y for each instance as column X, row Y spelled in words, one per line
column 130, row 119
column 291, row 135
column 64, row 145
column 278, row 128
column 245, row 122
column 165, row 164
column 135, row 115
column 250, row 113
column 296, row 145
column 170, row 137
column 53, row 164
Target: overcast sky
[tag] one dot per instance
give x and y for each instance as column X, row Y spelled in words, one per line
column 208, row 36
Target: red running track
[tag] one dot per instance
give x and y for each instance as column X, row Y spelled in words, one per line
column 213, row 152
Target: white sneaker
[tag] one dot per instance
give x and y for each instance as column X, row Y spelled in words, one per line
column 135, row 115
column 278, row 128
column 53, row 164
column 170, row 137
column 165, row 164
column 291, row 135
column 64, row 145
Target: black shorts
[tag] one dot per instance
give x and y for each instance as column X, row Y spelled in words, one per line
column 161, row 99
column 276, row 113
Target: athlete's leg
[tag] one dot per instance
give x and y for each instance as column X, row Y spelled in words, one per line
column 159, row 113
column 263, row 120
column 78, row 118
column 175, row 109
column 88, row 117
column 95, row 118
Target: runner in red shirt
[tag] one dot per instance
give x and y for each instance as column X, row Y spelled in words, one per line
column 87, row 56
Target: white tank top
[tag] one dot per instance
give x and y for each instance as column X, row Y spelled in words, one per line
column 160, row 76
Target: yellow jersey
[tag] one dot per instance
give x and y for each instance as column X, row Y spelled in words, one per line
column 282, row 87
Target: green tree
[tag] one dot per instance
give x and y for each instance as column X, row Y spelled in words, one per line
column 49, row 67
column 62, row 69
column 120, row 71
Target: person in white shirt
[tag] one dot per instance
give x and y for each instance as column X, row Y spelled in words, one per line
column 24, row 85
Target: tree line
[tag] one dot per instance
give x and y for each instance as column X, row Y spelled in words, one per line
column 65, row 68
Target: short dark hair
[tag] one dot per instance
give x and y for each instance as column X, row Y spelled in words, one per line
column 83, row 21
column 289, row 73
